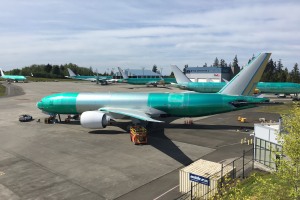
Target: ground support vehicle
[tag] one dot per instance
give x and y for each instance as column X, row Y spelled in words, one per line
column 25, row 118
column 138, row 135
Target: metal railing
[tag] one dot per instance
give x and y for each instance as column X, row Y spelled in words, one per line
column 239, row 168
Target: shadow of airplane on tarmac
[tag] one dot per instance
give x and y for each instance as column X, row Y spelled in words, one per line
column 158, row 140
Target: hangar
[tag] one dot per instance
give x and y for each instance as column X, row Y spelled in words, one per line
column 210, row 74
column 139, row 73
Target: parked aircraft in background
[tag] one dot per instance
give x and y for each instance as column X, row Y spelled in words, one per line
column 184, row 82
column 94, row 78
column 145, row 81
column 15, row 78
column 97, row 109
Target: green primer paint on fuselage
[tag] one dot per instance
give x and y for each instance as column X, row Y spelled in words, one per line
column 263, row 87
column 278, row 87
column 14, row 77
column 143, row 81
column 195, row 104
column 90, row 77
column 62, row 103
column 173, row 104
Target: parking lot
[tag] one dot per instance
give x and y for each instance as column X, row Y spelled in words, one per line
column 67, row 161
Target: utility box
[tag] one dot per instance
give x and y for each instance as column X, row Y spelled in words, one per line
column 204, row 177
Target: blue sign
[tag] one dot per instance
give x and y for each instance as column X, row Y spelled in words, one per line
column 199, row 179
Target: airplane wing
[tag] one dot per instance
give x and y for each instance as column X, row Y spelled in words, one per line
column 130, row 113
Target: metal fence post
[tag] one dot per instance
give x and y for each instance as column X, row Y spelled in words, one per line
column 243, row 164
column 253, row 158
column 191, row 190
column 222, row 175
column 233, row 172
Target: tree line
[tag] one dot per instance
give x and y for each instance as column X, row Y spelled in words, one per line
column 274, row 72
column 51, row 71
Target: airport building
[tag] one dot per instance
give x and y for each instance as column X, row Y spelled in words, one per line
column 210, row 74
column 266, row 144
column 139, row 73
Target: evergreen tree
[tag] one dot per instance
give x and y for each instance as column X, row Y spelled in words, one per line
column 205, row 65
column 216, row 62
column 48, row 68
column 15, row 72
column 154, row 69
column 223, row 63
column 55, row 70
column 235, row 63
column 285, row 75
column 268, row 74
column 184, row 69
column 295, row 75
column 280, row 74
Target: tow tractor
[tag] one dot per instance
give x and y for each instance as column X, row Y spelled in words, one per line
column 138, row 134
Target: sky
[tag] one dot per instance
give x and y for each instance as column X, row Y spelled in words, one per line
column 106, row 34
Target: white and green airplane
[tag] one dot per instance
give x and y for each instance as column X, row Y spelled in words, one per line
column 97, row 109
column 142, row 81
column 15, row 78
column 93, row 78
column 185, row 83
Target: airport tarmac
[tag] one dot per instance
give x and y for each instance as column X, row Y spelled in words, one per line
column 67, row 161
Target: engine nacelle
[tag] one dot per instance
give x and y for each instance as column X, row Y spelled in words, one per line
column 94, row 119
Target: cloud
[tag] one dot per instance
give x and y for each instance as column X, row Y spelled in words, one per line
column 143, row 33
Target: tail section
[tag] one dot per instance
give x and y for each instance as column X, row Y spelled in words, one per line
column 179, row 76
column 123, row 73
column 2, row 73
column 244, row 83
column 161, row 78
column 71, row 73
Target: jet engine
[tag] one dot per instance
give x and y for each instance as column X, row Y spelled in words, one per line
column 94, row 119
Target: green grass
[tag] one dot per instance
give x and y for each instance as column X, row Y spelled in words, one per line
column 2, row 90
column 280, row 109
column 248, row 186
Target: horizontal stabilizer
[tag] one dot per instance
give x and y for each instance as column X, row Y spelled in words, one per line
column 241, row 104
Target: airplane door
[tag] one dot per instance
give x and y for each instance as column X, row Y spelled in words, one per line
column 176, row 100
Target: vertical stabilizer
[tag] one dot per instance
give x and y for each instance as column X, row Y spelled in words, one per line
column 161, row 78
column 179, row 76
column 245, row 82
column 2, row 73
column 123, row 73
column 71, row 73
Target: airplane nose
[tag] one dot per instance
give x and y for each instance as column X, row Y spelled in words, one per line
column 39, row 105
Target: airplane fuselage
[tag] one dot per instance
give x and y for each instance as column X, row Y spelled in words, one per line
column 90, row 78
column 263, row 87
column 143, row 81
column 172, row 104
column 14, row 77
